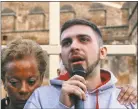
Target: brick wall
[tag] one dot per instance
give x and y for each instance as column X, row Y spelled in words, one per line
column 27, row 20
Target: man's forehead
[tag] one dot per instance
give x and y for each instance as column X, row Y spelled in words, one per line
column 76, row 30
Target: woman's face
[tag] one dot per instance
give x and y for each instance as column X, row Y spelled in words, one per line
column 21, row 79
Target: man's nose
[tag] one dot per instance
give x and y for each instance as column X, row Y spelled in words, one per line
column 75, row 45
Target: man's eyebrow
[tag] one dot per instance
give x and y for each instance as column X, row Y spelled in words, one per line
column 68, row 38
column 82, row 35
column 65, row 39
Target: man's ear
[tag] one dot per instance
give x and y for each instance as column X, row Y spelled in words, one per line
column 103, row 52
column 60, row 56
column 58, row 71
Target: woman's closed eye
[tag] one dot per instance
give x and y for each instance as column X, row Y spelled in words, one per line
column 14, row 82
column 31, row 81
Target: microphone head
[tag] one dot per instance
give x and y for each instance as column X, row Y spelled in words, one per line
column 78, row 70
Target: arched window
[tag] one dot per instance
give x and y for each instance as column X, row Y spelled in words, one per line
column 67, row 12
column 8, row 20
column 67, row 8
column 36, row 19
column 98, row 14
column 96, row 6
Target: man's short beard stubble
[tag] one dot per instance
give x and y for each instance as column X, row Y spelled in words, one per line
column 91, row 68
column 90, row 71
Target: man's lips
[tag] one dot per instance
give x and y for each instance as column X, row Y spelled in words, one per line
column 79, row 62
column 77, row 59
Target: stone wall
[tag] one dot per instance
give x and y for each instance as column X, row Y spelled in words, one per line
column 133, row 22
column 97, row 12
column 112, row 21
column 21, row 19
column 114, row 33
column 25, row 19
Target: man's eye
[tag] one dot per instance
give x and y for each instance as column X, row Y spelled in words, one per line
column 66, row 43
column 31, row 82
column 83, row 39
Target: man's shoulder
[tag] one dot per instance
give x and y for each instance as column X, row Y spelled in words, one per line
column 44, row 92
column 43, row 97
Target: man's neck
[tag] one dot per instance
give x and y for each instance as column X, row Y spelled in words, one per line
column 94, row 79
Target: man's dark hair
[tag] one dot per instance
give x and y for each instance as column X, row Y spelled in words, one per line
column 73, row 22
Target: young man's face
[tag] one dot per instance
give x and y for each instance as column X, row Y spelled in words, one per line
column 79, row 46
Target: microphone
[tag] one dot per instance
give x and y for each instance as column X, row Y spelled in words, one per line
column 78, row 70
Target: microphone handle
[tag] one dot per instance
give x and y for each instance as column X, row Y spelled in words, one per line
column 79, row 104
column 79, row 70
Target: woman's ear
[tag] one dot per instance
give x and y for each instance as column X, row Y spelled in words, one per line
column 41, row 79
column 4, row 84
column 103, row 52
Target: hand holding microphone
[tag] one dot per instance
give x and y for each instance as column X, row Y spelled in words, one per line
column 79, row 70
column 75, row 86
